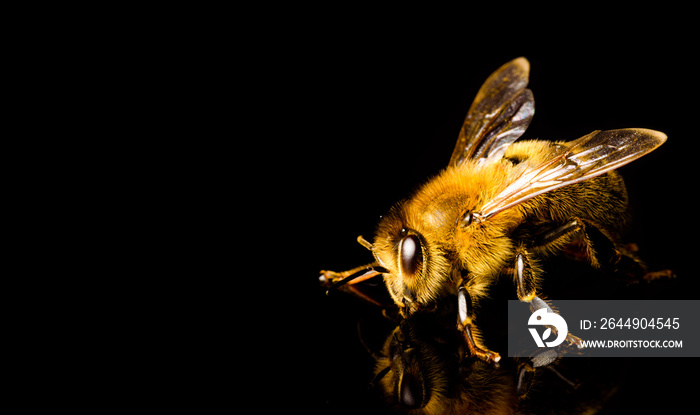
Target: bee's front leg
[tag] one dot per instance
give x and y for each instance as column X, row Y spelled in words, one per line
column 334, row 279
column 465, row 324
column 347, row 280
column 526, row 274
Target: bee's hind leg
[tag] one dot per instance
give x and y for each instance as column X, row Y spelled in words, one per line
column 596, row 247
column 465, row 324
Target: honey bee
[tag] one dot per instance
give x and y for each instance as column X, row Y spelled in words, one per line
column 500, row 207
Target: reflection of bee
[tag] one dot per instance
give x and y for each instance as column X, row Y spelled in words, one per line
column 418, row 370
column 501, row 206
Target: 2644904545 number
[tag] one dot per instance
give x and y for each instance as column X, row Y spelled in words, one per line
column 658, row 323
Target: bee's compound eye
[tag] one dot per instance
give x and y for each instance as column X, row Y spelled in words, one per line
column 411, row 392
column 410, row 255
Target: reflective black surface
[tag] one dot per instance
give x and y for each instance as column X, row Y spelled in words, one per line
column 422, row 354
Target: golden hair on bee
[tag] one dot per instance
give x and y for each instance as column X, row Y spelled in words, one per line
column 428, row 221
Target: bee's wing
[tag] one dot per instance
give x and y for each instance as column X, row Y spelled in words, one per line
column 582, row 159
column 500, row 113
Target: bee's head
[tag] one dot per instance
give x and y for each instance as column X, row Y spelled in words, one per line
column 416, row 265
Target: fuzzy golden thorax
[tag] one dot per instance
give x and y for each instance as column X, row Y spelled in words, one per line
column 425, row 250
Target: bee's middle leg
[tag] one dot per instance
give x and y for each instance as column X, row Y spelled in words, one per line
column 526, row 277
column 465, row 324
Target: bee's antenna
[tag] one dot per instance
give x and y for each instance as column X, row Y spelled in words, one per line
column 379, row 376
column 364, row 242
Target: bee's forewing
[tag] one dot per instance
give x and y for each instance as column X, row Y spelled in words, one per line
column 582, row 159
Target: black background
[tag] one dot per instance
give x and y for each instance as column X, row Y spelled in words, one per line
column 369, row 117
